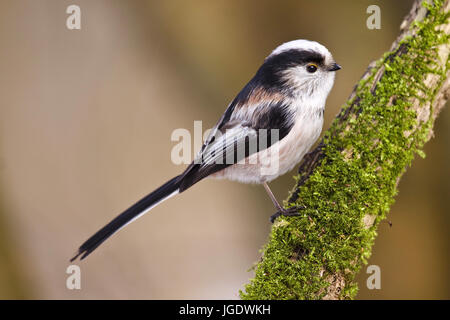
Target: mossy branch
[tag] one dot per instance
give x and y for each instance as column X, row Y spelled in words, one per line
column 349, row 182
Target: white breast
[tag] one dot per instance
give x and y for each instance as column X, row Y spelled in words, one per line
column 282, row 156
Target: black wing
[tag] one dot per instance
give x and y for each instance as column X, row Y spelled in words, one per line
column 237, row 136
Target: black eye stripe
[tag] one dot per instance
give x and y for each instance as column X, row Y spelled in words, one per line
column 270, row 74
column 294, row 56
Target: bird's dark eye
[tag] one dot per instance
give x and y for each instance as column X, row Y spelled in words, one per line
column 311, row 67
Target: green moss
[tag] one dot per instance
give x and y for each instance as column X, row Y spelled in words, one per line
column 364, row 158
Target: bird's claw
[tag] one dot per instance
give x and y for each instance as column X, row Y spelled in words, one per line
column 289, row 212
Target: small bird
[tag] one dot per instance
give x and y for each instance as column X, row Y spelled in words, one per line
column 265, row 131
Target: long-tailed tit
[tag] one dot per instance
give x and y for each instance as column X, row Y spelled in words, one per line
column 265, row 131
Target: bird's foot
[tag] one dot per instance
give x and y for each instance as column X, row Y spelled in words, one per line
column 293, row 211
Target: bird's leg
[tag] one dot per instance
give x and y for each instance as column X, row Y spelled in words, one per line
column 281, row 211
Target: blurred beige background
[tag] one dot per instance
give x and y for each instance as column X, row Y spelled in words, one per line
column 86, row 118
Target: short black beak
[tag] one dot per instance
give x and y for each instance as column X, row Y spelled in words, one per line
column 335, row 67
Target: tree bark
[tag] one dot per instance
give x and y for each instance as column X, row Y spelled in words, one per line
column 349, row 182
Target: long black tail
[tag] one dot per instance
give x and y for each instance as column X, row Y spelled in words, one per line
column 135, row 211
